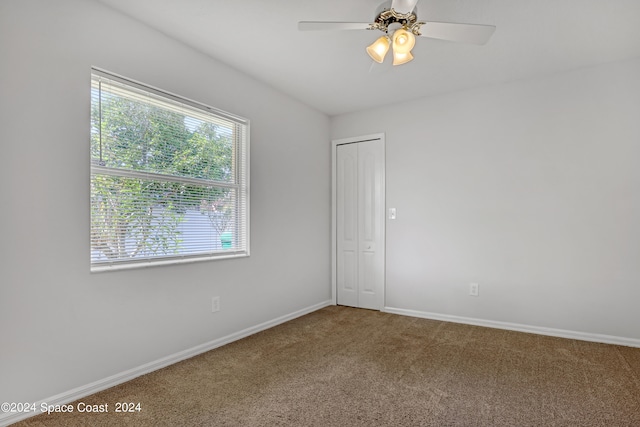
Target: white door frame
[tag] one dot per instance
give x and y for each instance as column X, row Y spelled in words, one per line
column 334, row 151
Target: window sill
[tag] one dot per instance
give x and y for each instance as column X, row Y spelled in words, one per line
column 155, row 263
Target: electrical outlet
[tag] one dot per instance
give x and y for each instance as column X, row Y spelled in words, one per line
column 474, row 289
column 215, row 304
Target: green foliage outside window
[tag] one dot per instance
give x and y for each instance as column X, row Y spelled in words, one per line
column 132, row 215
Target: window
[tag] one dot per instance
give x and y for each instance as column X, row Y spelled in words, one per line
column 169, row 177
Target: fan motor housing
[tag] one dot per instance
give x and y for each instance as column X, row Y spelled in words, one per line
column 387, row 16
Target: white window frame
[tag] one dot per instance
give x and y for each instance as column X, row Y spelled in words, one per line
column 241, row 143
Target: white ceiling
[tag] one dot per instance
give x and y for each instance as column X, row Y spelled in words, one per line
column 332, row 72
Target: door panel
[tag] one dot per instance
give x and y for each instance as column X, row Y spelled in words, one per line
column 350, row 277
column 360, row 224
column 371, row 225
column 347, row 226
column 368, row 188
column 349, row 202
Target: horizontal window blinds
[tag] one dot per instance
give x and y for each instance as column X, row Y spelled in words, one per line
column 169, row 177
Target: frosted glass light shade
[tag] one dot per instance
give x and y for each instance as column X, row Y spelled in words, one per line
column 401, row 58
column 378, row 49
column 403, row 41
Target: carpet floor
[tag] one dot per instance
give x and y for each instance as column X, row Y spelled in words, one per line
column 341, row 366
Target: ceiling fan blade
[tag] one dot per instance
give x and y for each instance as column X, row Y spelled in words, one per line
column 403, row 6
column 464, row 33
column 329, row 26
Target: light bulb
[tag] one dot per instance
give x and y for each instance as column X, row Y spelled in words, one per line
column 403, row 41
column 378, row 49
column 401, row 58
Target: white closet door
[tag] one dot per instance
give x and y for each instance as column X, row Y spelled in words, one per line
column 347, row 224
column 360, row 224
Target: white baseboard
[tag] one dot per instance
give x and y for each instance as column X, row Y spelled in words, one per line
column 562, row 333
column 103, row 384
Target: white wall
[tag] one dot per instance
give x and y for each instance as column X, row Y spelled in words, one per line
column 62, row 327
column 531, row 189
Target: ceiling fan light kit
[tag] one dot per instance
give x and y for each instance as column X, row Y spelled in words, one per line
column 400, row 24
column 379, row 48
column 400, row 29
column 401, row 58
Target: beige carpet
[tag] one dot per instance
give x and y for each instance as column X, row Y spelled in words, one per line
column 348, row 367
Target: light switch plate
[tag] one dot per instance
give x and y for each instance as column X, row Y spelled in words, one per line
column 392, row 213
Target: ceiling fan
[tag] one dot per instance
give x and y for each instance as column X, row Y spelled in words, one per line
column 398, row 21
